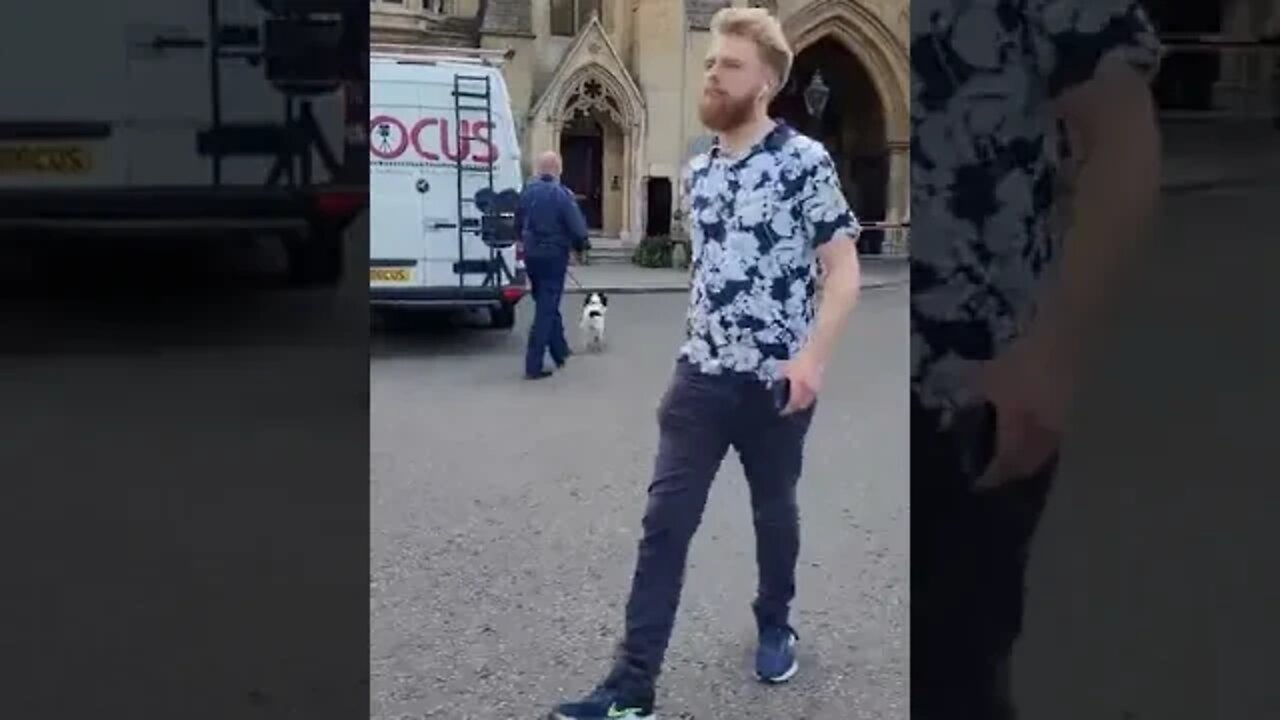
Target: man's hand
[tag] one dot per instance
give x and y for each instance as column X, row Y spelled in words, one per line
column 804, row 372
column 1030, row 385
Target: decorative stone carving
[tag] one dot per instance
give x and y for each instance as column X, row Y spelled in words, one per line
column 589, row 96
column 593, row 83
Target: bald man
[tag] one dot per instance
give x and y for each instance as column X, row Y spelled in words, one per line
column 551, row 225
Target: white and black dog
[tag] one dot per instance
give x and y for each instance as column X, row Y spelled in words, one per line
column 594, row 308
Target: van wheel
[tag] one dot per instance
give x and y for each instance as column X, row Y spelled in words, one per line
column 315, row 260
column 503, row 317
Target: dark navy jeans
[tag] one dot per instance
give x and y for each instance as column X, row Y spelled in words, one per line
column 968, row 563
column 546, row 280
column 699, row 418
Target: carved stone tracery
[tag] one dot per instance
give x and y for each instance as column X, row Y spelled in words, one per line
column 588, row 95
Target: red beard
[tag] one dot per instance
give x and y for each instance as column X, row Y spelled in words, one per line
column 722, row 113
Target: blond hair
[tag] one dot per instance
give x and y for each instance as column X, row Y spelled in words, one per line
column 761, row 28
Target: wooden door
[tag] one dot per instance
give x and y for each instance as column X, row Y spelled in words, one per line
column 583, row 156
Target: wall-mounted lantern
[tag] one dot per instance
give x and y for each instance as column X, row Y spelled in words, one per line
column 816, row 95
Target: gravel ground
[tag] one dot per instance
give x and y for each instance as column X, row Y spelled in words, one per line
column 505, row 516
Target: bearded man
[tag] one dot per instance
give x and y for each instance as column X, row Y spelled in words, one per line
column 764, row 205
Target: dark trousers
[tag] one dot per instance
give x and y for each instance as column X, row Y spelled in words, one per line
column 699, row 418
column 546, row 280
column 968, row 564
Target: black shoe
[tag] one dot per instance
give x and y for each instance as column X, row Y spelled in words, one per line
column 607, row 704
column 560, row 363
column 539, row 375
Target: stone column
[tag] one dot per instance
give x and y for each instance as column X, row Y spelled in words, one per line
column 624, row 171
column 551, row 134
column 637, row 165
column 899, row 205
column 1233, row 90
column 543, row 135
column 628, row 227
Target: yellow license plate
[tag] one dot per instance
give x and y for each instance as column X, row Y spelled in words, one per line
column 45, row 159
column 389, row 275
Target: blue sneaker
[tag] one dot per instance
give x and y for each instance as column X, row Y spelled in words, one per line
column 776, row 654
column 606, row 704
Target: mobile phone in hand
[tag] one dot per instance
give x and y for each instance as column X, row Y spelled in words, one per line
column 973, row 440
column 781, row 394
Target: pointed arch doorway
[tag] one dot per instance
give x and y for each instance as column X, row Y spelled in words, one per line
column 597, row 152
column 593, row 114
column 582, row 148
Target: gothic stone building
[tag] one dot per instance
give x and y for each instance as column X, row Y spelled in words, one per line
column 613, row 86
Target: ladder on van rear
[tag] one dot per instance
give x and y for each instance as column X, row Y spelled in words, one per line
column 491, row 218
column 279, row 37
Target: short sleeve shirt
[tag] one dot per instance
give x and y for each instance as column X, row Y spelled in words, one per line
column 755, row 224
column 985, row 151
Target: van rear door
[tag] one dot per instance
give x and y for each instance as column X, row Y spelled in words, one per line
column 398, row 182
column 62, row 121
column 169, row 93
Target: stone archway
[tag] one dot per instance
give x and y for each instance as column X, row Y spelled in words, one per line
column 595, row 140
column 883, row 55
column 592, row 100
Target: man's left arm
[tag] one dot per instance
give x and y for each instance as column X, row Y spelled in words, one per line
column 833, row 230
column 1098, row 57
column 1111, row 124
column 841, row 282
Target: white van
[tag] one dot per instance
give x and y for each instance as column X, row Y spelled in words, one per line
column 210, row 119
column 444, row 177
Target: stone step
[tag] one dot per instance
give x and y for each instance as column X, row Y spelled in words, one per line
column 609, row 242
column 610, row 257
column 611, row 250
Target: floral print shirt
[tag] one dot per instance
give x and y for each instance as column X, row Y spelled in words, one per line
column 985, row 151
column 756, row 222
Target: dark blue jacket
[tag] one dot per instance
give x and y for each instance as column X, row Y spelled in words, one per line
column 549, row 219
